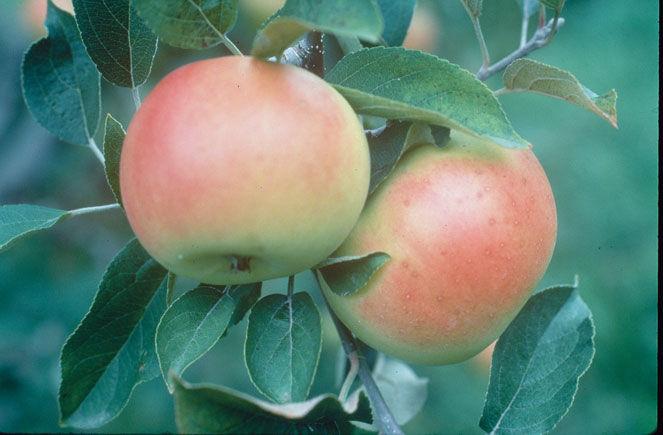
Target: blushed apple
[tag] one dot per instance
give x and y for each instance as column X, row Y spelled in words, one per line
column 470, row 228
column 236, row 170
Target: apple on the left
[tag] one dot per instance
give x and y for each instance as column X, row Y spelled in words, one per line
column 236, row 170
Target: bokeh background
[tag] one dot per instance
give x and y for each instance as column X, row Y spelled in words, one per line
column 605, row 182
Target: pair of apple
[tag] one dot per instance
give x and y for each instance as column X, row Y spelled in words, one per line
column 236, row 170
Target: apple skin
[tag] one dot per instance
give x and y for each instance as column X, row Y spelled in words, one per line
column 259, row 10
column 235, row 170
column 470, row 228
column 424, row 30
column 34, row 13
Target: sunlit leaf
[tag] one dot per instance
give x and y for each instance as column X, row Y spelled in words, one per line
column 532, row 76
column 396, row 83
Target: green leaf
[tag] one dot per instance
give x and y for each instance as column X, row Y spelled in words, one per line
column 117, row 40
column 537, row 363
column 397, row 15
column 113, row 140
column 358, row 18
column 473, row 7
column 21, row 220
column 346, row 275
column 196, row 321
column 283, row 343
column 386, row 148
column 194, row 24
column 404, row 391
column 112, row 350
column 396, row 83
column 525, row 75
column 388, row 145
column 557, row 5
column 212, row 409
column 61, row 85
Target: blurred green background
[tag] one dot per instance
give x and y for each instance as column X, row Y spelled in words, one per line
column 605, row 182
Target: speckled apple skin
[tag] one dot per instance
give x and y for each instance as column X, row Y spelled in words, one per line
column 470, row 228
column 236, row 170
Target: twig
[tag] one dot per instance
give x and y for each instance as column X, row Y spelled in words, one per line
column 384, row 421
column 95, row 209
column 538, row 40
column 482, row 42
column 524, row 26
column 474, row 17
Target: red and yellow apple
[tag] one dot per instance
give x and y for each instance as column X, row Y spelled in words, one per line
column 236, row 170
column 470, row 228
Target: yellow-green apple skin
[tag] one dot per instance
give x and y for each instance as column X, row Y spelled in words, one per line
column 259, row 10
column 470, row 228
column 236, row 170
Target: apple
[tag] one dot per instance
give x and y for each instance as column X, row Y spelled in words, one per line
column 34, row 13
column 470, row 228
column 424, row 30
column 235, row 170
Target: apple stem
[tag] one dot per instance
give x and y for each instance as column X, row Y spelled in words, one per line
column 541, row 38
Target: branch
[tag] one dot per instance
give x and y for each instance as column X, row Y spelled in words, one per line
column 524, row 26
column 541, row 38
column 385, row 421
